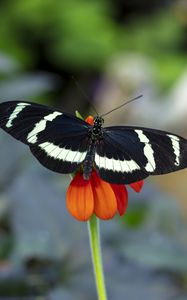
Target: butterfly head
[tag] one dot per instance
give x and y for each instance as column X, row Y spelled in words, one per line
column 98, row 121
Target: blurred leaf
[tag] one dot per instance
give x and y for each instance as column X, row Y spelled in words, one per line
column 82, row 34
column 159, row 37
column 78, row 34
column 15, row 288
column 135, row 215
column 89, row 35
column 169, row 67
column 162, row 30
column 6, row 245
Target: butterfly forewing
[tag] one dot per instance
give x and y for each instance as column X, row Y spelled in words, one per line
column 58, row 140
column 137, row 153
column 18, row 118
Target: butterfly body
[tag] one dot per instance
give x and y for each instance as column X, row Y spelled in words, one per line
column 95, row 134
column 120, row 154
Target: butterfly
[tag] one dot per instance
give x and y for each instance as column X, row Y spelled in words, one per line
column 120, row 154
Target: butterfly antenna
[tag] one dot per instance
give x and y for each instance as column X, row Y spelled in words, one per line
column 84, row 94
column 127, row 102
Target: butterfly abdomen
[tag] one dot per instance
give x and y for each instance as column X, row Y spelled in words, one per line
column 89, row 160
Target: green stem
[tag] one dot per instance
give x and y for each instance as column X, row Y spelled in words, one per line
column 94, row 235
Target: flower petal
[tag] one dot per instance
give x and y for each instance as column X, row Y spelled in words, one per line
column 105, row 203
column 137, row 186
column 121, row 194
column 79, row 198
column 90, row 120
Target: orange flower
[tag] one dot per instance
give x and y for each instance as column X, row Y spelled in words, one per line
column 96, row 196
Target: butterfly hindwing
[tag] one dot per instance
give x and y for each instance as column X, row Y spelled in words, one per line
column 57, row 140
column 114, row 163
column 137, row 153
column 63, row 156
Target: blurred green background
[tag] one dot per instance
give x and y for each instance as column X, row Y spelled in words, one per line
column 116, row 50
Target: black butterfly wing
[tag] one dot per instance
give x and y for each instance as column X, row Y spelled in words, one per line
column 129, row 154
column 60, row 142
column 57, row 139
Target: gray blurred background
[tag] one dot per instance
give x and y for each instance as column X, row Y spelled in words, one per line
column 116, row 50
